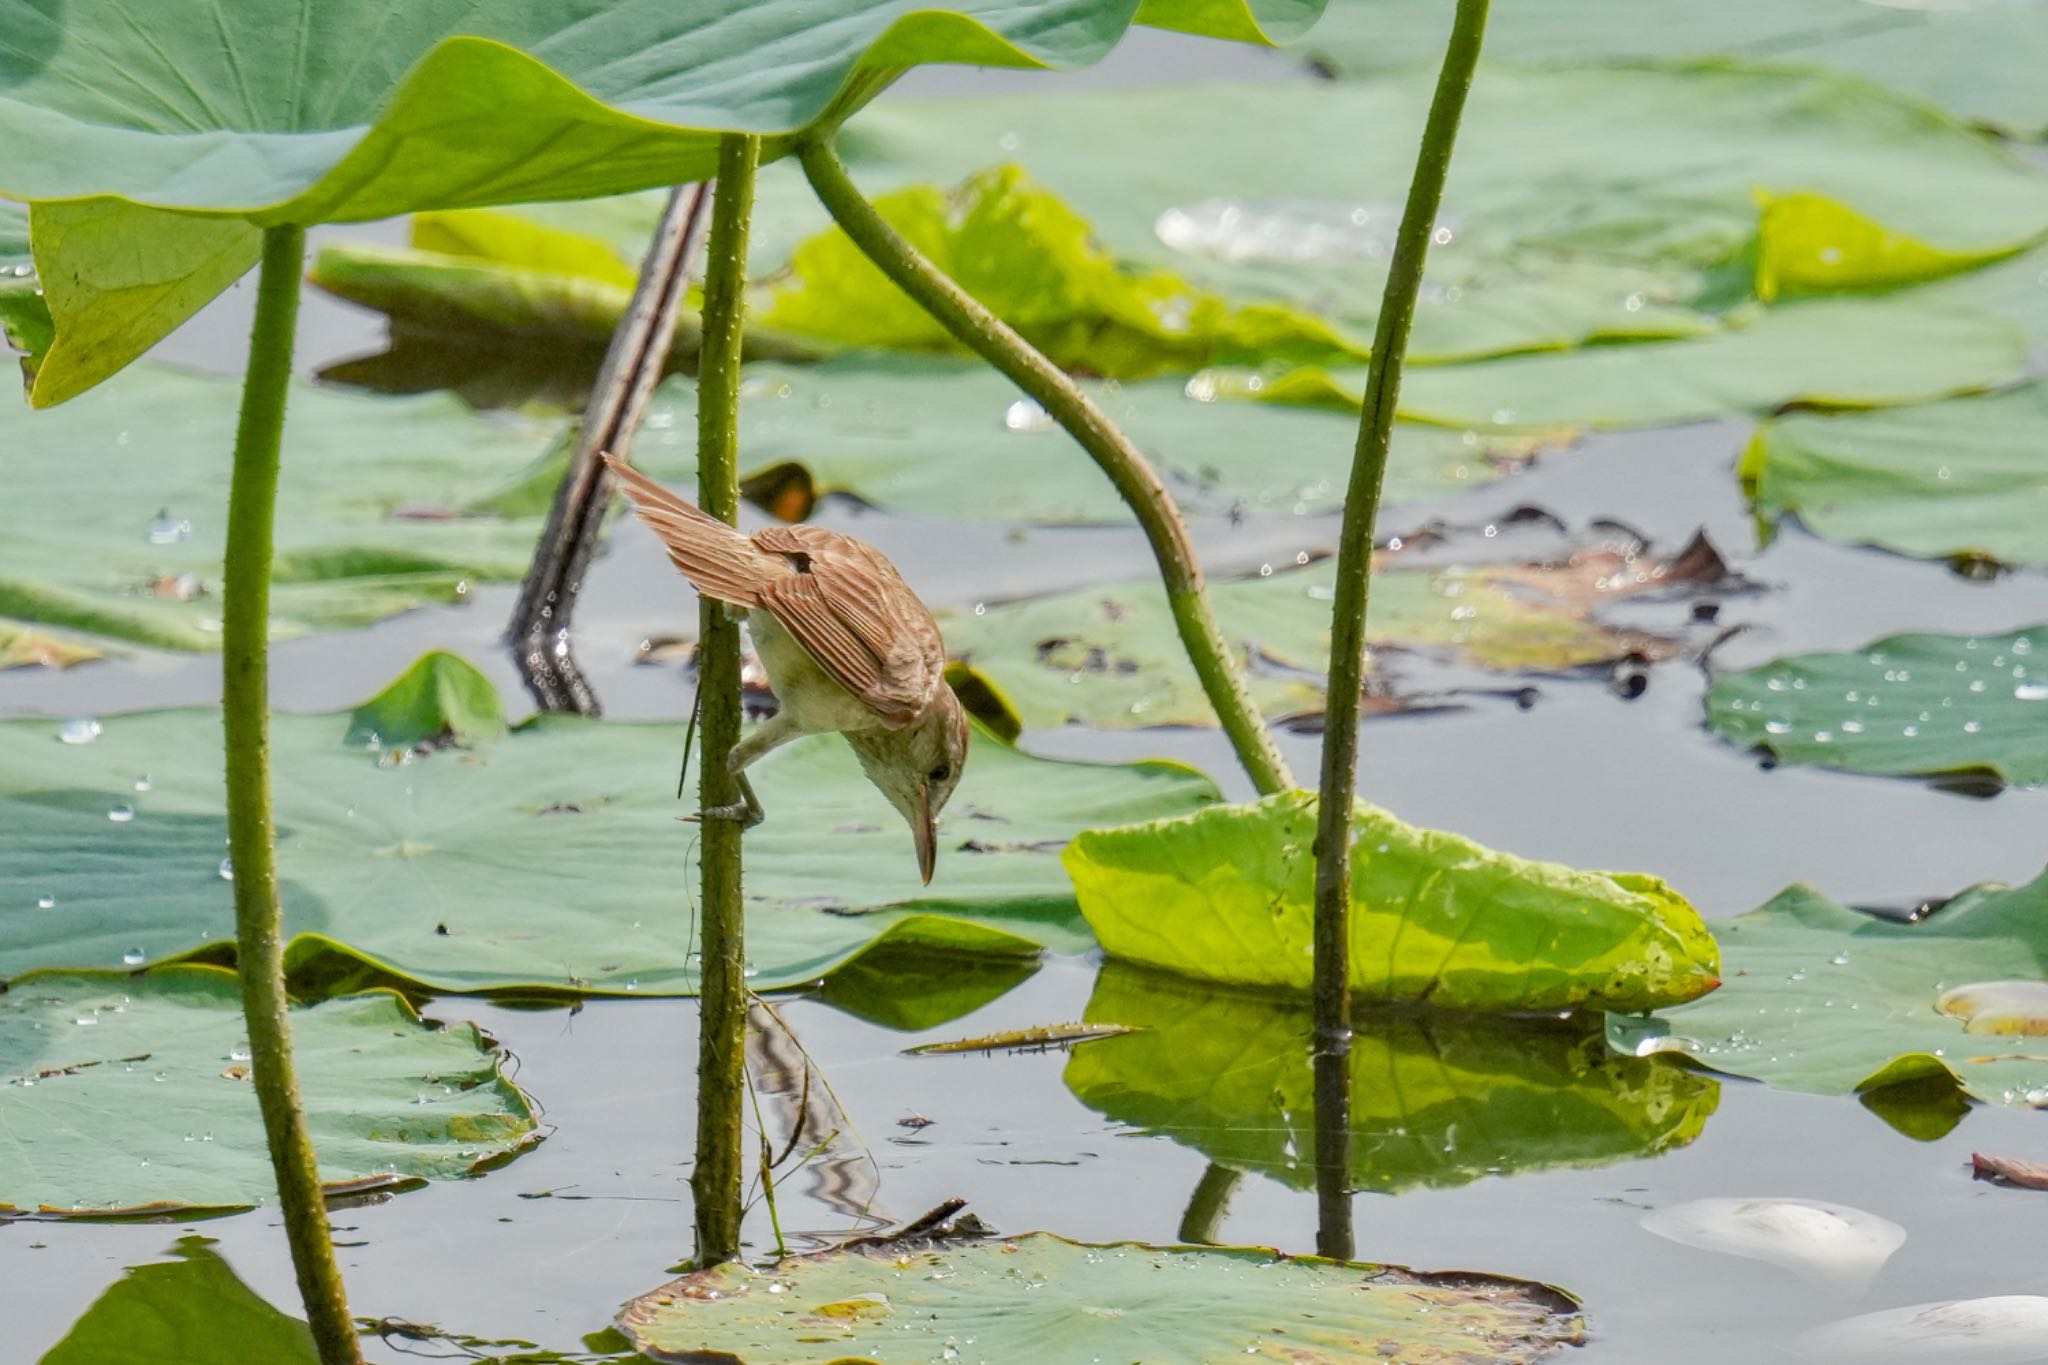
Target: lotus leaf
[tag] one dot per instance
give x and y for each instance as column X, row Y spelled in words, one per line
column 152, row 185
column 1040, row 1297
column 1438, row 1099
column 132, row 1093
column 1109, row 657
column 1962, row 479
column 1823, row 998
column 188, row 1311
column 549, row 859
column 1908, row 705
column 1827, row 353
column 1978, row 60
column 1225, row 895
column 366, row 517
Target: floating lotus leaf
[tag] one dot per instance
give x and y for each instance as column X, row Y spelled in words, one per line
column 1226, row 895
column 553, row 858
column 367, row 508
column 1980, row 61
column 1909, row 705
column 132, row 1093
column 1041, row 1297
column 1438, row 1099
column 1826, row 353
column 1962, row 479
column 1822, row 998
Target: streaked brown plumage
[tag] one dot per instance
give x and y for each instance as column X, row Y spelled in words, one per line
column 846, row 642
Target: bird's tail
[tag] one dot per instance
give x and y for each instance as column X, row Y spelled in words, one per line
column 723, row 563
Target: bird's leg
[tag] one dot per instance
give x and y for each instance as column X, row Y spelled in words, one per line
column 778, row 729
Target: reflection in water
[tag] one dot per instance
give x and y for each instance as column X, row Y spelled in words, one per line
column 1437, row 1099
column 190, row 1309
column 804, row 1125
column 1333, row 1150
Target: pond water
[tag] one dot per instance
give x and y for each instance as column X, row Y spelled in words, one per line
column 546, row 1248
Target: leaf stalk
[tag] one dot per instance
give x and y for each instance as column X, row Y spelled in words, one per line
column 716, row 1178
column 976, row 328
column 252, row 831
column 1331, row 989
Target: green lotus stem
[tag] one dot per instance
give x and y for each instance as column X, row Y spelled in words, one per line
column 252, row 832
column 1139, row 484
column 1332, row 989
column 722, row 1006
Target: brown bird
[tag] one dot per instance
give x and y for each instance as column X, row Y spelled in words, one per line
column 847, row 645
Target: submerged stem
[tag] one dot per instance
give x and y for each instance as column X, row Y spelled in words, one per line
column 252, row 842
column 716, row 1178
column 1140, row 486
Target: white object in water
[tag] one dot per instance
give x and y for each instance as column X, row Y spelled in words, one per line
column 2011, row 1329
column 1827, row 1244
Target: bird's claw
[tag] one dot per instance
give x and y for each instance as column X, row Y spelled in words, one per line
column 747, row 816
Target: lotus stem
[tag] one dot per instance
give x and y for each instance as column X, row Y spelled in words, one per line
column 1331, row 989
column 979, row 330
column 716, row 1178
column 252, row 834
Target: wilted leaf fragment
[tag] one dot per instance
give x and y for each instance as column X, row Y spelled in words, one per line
column 2013, row 1008
column 1227, row 895
column 127, row 1093
column 1907, row 705
column 2006, row 1170
column 1822, row 998
column 1831, row 1245
column 1039, row 1297
column 189, row 1311
column 1438, row 1098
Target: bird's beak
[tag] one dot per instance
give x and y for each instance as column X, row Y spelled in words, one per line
column 926, row 834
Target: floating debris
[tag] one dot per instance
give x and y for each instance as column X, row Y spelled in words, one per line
column 1038, row 1039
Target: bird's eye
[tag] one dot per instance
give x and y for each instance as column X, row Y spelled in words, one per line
column 940, row 773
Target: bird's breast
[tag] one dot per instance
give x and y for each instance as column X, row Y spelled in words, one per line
column 810, row 695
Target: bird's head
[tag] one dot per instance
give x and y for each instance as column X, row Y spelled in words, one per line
column 917, row 768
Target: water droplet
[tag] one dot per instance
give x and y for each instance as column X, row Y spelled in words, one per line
column 143, row 784
column 83, row 730
column 1971, row 727
column 1840, row 959
column 134, row 957
column 226, row 869
column 1852, row 727
column 2032, row 691
column 46, row 902
column 1026, row 415
column 166, row 529
column 121, row 814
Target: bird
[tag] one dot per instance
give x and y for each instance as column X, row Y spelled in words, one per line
column 847, row 644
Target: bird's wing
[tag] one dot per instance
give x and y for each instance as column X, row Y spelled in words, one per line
column 723, row 563
column 850, row 609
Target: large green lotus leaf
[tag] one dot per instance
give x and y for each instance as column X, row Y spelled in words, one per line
column 937, row 438
column 364, row 524
column 1227, row 894
column 1981, row 60
column 1965, row 479
column 131, row 1093
column 1438, row 1099
column 189, row 1311
column 353, row 113
column 1823, row 998
column 1829, row 353
column 1916, row 705
column 1652, row 165
column 552, row 858
column 1043, row 1298
column 1111, row 657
